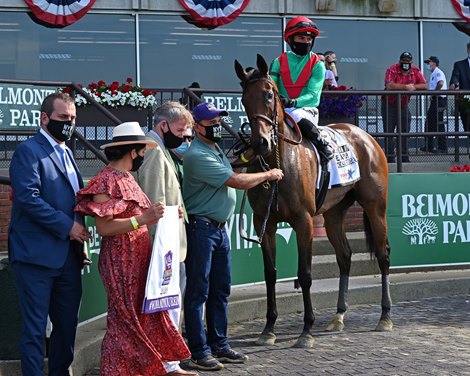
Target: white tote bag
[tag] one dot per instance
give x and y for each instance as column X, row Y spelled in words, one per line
column 162, row 291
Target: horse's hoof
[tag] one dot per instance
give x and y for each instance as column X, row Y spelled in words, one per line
column 267, row 339
column 384, row 326
column 304, row 342
column 336, row 325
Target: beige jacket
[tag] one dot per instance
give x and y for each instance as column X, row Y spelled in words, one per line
column 158, row 178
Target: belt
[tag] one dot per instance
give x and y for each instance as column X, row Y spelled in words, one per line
column 219, row 225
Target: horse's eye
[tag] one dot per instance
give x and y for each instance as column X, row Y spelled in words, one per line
column 269, row 96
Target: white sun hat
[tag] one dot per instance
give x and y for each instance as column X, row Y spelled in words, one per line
column 129, row 133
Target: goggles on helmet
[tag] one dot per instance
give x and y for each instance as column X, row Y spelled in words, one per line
column 301, row 25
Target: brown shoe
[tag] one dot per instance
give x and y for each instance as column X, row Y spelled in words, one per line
column 182, row 372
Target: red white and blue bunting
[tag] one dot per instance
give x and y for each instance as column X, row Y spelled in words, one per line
column 463, row 8
column 214, row 13
column 59, row 13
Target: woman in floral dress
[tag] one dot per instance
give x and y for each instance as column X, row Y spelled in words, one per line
column 134, row 343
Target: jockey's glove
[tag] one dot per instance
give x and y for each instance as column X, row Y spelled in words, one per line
column 287, row 102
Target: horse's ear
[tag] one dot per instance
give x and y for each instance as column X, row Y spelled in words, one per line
column 262, row 66
column 241, row 74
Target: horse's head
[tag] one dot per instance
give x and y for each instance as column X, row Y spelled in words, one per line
column 262, row 105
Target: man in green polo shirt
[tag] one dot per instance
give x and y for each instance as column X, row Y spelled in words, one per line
column 209, row 196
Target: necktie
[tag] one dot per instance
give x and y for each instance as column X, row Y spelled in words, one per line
column 70, row 170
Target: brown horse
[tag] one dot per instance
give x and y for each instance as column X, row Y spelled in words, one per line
column 272, row 139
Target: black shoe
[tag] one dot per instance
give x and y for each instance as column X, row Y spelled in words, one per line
column 327, row 151
column 231, row 356
column 208, row 363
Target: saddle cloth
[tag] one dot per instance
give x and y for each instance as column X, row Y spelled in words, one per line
column 343, row 168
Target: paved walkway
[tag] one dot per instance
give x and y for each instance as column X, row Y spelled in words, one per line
column 430, row 337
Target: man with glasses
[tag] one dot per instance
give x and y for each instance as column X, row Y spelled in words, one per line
column 401, row 76
column 158, row 178
column 300, row 78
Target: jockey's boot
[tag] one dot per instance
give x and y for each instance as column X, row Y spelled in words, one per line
column 310, row 131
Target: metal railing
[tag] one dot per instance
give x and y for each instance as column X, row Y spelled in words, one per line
column 368, row 117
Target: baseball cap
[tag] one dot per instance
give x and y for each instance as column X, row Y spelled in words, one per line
column 206, row 111
column 434, row 59
column 406, row 55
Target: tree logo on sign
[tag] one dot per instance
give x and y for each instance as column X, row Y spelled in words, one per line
column 421, row 231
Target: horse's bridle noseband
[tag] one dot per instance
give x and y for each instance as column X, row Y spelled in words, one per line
column 274, row 123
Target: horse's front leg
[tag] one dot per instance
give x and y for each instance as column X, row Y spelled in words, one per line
column 304, row 232
column 268, row 245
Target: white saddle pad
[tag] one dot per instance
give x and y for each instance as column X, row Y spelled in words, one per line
column 344, row 169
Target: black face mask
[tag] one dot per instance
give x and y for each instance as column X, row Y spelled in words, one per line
column 301, row 49
column 60, row 130
column 171, row 141
column 137, row 162
column 405, row 66
column 214, row 132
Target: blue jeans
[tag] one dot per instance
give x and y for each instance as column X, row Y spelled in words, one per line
column 208, row 269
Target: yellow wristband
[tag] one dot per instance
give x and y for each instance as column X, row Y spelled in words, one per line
column 243, row 158
column 134, row 223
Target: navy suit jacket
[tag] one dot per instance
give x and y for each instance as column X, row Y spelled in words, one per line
column 43, row 202
column 461, row 74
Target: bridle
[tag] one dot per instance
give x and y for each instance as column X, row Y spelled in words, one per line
column 274, row 123
column 274, row 135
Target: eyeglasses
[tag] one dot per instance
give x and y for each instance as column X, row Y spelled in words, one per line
column 188, row 138
column 302, row 25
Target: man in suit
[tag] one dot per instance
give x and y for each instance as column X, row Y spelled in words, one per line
column 460, row 79
column 45, row 238
column 158, row 178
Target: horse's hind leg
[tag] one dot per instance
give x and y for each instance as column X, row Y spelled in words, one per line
column 372, row 196
column 375, row 226
column 268, row 245
column 334, row 220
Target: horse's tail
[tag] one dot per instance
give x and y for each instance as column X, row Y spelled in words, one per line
column 369, row 234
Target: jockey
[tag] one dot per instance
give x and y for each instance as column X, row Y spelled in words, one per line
column 299, row 77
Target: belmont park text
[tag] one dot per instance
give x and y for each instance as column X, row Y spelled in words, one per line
column 442, row 205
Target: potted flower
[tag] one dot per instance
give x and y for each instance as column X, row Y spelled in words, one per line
column 339, row 107
column 458, row 168
column 126, row 101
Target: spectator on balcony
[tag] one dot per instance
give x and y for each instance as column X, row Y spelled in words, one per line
column 330, row 64
column 329, row 75
column 460, row 79
column 401, row 76
column 435, row 115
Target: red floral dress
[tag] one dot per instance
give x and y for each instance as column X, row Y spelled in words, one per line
column 135, row 343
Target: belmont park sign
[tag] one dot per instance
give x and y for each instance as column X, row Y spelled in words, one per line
column 20, row 105
column 429, row 219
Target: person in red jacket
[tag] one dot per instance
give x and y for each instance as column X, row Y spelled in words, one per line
column 400, row 76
